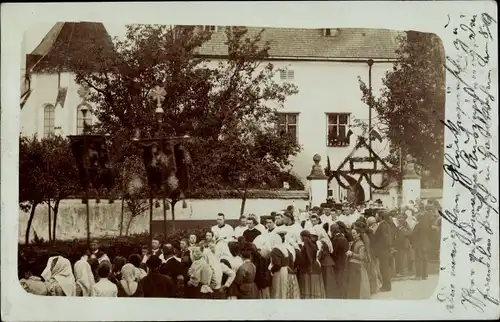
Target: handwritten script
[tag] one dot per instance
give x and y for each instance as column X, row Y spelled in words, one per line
column 468, row 161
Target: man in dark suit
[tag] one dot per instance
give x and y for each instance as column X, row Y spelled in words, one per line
column 382, row 248
column 155, row 284
column 172, row 266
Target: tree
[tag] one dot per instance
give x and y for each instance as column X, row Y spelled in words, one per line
column 61, row 175
column 256, row 156
column 47, row 174
column 210, row 103
column 32, row 176
column 411, row 104
column 135, row 192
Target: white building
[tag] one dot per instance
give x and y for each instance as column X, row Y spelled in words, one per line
column 324, row 63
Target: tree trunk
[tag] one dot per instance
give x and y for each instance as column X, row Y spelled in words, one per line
column 121, row 215
column 165, row 219
column 243, row 201
column 54, row 227
column 128, row 225
column 173, row 214
column 30, row 221
column 50, row 219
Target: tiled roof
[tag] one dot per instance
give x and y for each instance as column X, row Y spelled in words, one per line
column 352, row 43
column 68, row 42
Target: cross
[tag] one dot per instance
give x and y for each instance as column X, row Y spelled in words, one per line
column 158, row 93
column 83, row 92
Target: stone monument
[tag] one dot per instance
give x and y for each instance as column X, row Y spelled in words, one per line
column 411, row 182
column 318, row 183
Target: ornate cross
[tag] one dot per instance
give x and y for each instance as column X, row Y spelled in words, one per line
column 158, row 93
column 83, row 92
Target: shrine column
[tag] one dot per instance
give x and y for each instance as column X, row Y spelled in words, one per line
column 411, row 182
column 318, row 183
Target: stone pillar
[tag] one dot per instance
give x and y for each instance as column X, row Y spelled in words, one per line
column 411, row 182
column 318, row 183
column 393, row 194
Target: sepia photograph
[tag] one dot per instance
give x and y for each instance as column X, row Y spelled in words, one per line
column 198, row 159
column 230, row 162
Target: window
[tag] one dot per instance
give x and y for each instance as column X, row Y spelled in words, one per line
column 329, row 32
column 210, row 28
column 287, row 124
column 287, row 75
column 83, row 114
column 48, row 120
column 337, row 129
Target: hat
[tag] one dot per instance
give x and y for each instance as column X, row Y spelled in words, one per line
column 289, row 215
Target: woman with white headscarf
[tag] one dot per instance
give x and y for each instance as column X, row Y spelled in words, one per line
column 84, row 277
column 279, row 265
column 59, row 277
column 261, row 257
column 326, row 262
column 219, row 270
column 129, row 279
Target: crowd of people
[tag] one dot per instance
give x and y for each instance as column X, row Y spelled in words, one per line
column 328, row 252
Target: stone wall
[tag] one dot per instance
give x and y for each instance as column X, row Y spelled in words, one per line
column 105, row 217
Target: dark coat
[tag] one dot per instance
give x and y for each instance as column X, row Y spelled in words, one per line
column 156, row 285
column 172, row 268
column 340, row 247
column 382, row 240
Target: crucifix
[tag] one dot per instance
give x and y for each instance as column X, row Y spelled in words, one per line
column 83, row 92
column 158, row 93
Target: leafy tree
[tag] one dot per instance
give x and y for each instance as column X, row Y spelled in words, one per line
column 135, row 196
column 61, row 176
column 411, row 104
column 210, row 103
column 254, row 157
column 47, row 174
column 31, row 178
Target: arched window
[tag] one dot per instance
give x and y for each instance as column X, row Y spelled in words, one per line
column 48, row 119
column 83, row 114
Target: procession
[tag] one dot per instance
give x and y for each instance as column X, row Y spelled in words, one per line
column 180, row 150
column 330, row 252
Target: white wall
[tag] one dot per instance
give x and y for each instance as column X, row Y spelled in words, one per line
column 45, row 89
column 105, row 218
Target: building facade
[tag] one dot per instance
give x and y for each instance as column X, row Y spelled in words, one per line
column 325, row 64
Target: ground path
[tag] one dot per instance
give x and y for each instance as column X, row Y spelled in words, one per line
column 408, row 289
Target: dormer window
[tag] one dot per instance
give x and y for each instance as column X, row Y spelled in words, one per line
column 210, row 28
column 287, row 75
column 329, row 32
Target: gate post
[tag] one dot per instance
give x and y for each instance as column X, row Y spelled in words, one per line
column 411, row 182
column 318, row 183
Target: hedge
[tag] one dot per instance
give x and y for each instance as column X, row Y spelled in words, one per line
column 35, row 256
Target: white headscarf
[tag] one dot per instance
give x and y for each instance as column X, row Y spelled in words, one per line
column 212, row 261
column 129, row 278
column 222, row 250
column 84, row 276
column 276, row 242
column 323, row 237
column 62, row 273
